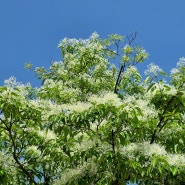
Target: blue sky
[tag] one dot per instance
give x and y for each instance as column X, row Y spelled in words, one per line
column 31, row 30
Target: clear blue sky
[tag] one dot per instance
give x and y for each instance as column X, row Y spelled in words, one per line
column 30, row 30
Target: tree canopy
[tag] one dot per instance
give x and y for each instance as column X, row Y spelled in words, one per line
column 95, row 119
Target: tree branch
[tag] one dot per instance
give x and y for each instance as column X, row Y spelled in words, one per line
column 131, row 37
column 161, row 120
column 28, row 175
column 119, row 78
column 113, row 142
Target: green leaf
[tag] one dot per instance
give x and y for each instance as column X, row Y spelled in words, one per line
column 174, row 170
column 153, row 161
column 160, row 169
column 175, row 148
column 150, row 86
column 148, row 79
column 163, row 73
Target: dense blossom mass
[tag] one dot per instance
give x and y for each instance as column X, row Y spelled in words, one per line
column 93, row 120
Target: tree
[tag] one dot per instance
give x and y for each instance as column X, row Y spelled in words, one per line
column 91, row 122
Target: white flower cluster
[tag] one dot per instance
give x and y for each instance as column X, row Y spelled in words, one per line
column 52, row 109
column 84, row 146
column 129, row 99
column 8, row 165
column 11, row 83
column 33, row 150
column 106, row 98
column 173, row 91
column 67, row 41
column 144, row 148
column 174, row 71
column 173, row 130
column 78, row 107
column 46, row 135
column 181, row 62
column 153, row 70
column 70, row 175
column 50, row 83
column 154, row 149
column 130, row 71
column 176, row 159
column 147, row 110
column 74, row 42
column 96, row 46
column 157, row 88
column 46, row 106
column 127, row 49
column 94, row 36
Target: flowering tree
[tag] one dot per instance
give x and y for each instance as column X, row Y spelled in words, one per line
column 91, row 122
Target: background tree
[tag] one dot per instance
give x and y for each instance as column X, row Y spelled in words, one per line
column 91, row 122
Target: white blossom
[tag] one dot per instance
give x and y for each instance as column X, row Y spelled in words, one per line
column 181, row 62
column 147, row 110
column 130, row 71
column 148, row 149
column 50, row 135
column 176, row 159
column 173, row 91
column 94, row 36
column 67, row 41
column 106, row 98
column 33, row 150
column 11, row 83
column 127, row 49
column 153, row 69
column 73, row 42
column 77, row 107
column 144, row 148
column 174, row 71
column 46, row 135
column 84, row 146
column 69, row 175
